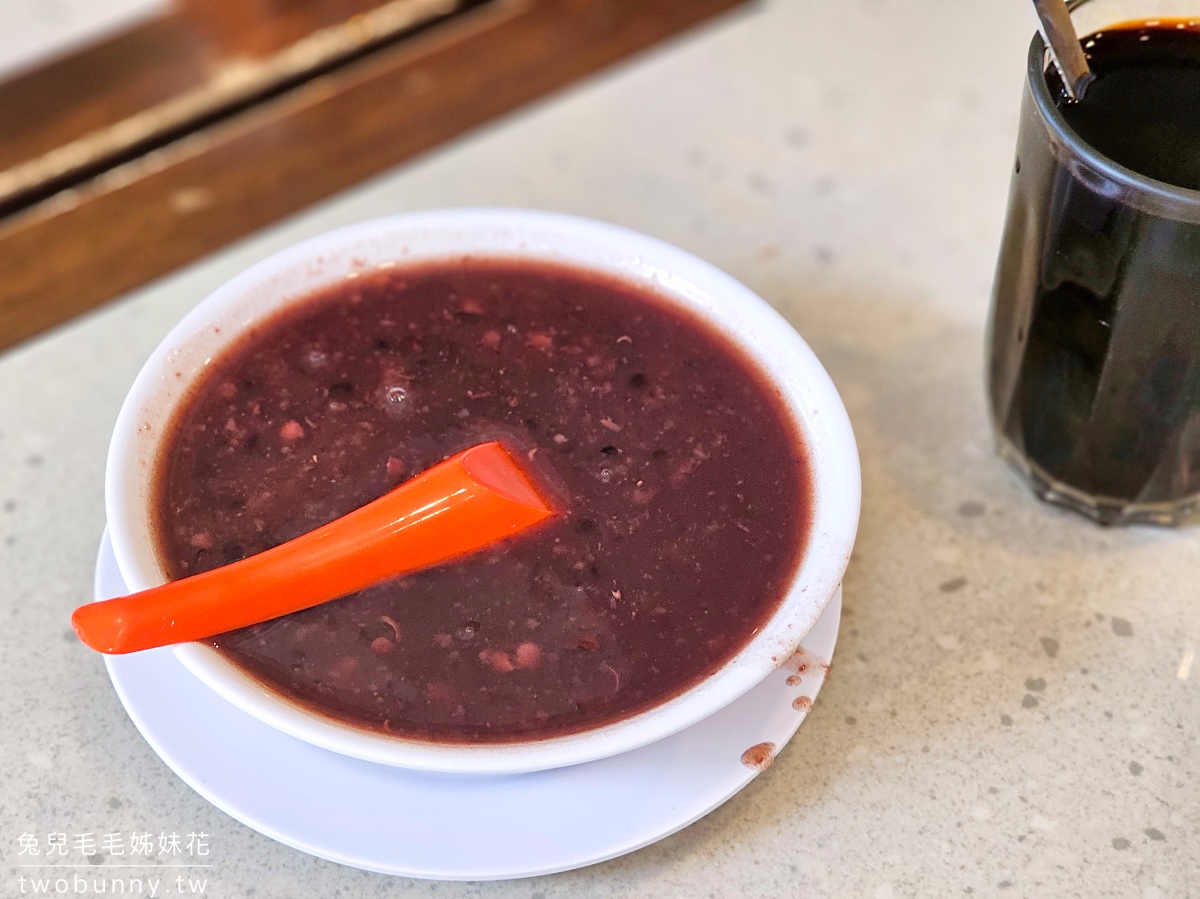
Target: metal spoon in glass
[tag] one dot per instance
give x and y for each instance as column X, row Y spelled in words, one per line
column 1059, row 33
column 473, row 499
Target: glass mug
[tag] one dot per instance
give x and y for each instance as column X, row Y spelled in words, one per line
column 1094, row 338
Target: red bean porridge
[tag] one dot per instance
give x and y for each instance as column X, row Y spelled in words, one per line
column 685, row 482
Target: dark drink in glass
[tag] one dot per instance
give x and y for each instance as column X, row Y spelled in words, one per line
column 1094, row 343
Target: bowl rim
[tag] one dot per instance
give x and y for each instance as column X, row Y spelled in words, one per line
column 292, row 274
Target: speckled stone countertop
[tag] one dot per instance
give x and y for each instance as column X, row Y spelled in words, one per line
column 1010, row 712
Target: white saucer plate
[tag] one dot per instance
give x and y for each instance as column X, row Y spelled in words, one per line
column 453, row 827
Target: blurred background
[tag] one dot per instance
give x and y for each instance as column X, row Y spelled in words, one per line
column 142, row 134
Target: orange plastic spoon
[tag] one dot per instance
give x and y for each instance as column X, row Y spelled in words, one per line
column 461, row 505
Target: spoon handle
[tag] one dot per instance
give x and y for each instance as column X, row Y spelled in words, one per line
column 461, row 505
column 1059, row 33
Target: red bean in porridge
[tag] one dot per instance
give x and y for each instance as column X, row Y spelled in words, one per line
column 685, row 482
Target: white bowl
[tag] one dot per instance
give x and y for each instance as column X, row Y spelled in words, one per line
column 295, row 273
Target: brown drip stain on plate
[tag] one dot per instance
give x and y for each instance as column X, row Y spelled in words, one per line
column 802, row 661
column 759, row 756
column 794, row 680
column 802, row 703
